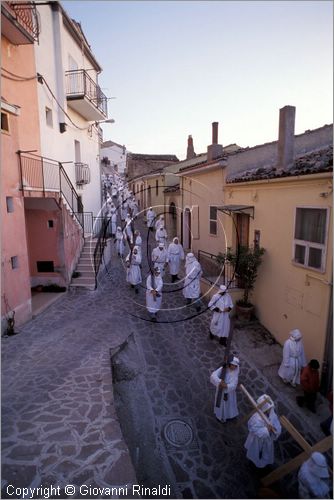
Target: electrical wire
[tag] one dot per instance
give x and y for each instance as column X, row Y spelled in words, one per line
column 63, row 110
column 16, row 79
column 19, row 78
column 24, row 78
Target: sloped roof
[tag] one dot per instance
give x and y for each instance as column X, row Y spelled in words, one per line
column 311, row 163
column 137, row 156
column 108, row 144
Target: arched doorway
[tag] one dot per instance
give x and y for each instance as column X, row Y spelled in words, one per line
column 172, row 220
column 186, row 230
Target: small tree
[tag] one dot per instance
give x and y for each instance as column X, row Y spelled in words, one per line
column 245, row 261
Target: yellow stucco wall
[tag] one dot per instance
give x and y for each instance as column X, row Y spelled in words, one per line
column 204, row 189
column 286, row 295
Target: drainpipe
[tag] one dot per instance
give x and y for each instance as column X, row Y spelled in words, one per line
column 60, row 76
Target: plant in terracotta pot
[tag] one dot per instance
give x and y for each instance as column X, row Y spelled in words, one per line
column 246, row 261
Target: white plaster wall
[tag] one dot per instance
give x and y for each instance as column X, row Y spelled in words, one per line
column 116, row 156
column 54, row 144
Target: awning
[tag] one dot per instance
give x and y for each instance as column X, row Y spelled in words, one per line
column 237, row 209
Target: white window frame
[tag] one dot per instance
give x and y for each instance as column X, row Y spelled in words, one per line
column 213, row 220
column 309, row 244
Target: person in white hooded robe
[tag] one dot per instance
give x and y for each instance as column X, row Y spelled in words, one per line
column 160, row 222
column 128, row 229
column 138, row 241
column 133, row 272
column 260, row 440
column 113, row 223
column 150, row 217
column 221, row 304
column 175, row 254
column 160, row 258
column 228, row 406
column 192, row 289
column 154, row 293
column 313, row 477
column 120, row 246
column 161, row 236
column 294, row 359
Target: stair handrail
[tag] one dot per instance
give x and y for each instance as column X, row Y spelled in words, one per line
column 56, row 188
column 100, row 245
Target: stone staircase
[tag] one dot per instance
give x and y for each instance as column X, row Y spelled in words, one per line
column 85, row 266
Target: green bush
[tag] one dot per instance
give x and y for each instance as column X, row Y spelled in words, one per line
column 246, row 261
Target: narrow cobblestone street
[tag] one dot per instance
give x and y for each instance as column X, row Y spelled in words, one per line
column 60, row 413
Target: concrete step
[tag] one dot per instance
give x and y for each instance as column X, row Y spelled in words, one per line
column 80, row 285
column 84, row 267
column 86, row 273
column 83, row 281
column 85, row 259
column 87, row 253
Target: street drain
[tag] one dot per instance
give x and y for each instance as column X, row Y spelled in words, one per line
column 178, row 433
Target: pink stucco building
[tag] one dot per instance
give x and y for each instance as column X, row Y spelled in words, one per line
column 41, row 239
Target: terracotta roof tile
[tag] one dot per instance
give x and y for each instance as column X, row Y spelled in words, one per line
column 311, row 163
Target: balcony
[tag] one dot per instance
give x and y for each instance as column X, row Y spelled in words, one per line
column 85, row 96
column 19, row 22
column 82, row 174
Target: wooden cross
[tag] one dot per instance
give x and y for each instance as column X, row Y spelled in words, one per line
column 257, row 407
column 322, row 446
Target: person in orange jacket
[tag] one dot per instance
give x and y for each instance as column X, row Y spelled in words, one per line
column 310, row 383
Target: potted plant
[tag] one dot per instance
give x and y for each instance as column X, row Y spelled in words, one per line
column 246, row 261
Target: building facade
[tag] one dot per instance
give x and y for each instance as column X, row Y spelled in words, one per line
column 278, row 196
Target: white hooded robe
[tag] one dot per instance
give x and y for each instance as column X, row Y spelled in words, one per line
column 227, row 409
column 153, row 306
column 260, row 442
column 175, row 254
column 220, row 322
column 294, row 360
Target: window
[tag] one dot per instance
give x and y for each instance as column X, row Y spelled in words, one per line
column 156, row 188
column 4, row 122
column 50, row 224
column 310, row 237
column 15, row 262
column 257, row 235
column 45, row 266
column 10, row 204
column 48, row 116
column 213, row 220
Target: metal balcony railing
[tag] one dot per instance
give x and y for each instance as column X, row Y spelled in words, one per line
column 25, row 15
column 80, row 84
column 45, row 175
column 215, row 272
column 82, row 174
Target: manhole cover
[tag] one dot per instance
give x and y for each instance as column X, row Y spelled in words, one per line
column 178, row 433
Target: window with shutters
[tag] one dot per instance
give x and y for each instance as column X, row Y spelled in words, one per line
column 310, row 237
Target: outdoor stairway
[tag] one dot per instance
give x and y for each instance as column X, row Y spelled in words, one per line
column 85, row 266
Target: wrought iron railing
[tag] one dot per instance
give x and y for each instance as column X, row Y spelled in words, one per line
column 79, row 83
column 82, row 174
column 44, row 174
column 216, row 272
column 25, row 14
column 100, row 245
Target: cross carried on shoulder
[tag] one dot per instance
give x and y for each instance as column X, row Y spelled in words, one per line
column 321, row 446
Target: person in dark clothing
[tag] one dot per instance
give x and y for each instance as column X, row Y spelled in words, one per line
column 326, row 424
column 310, row 383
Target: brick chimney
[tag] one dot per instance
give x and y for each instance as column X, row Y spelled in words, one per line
column 215, row 150
column 190, row 148
column 286, row 137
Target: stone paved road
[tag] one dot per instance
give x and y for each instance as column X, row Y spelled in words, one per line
column 59, row 423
